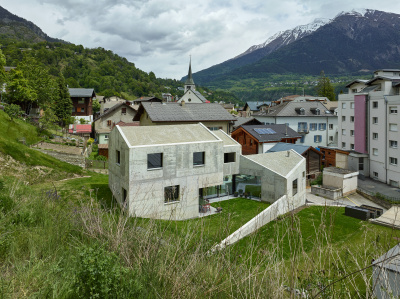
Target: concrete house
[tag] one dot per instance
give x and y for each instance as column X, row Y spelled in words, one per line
column 256, row 139
column 212, row 115
column 121, row 112
column 386, row 274
column 165, row 171
column 82, row 100
column 314, row 121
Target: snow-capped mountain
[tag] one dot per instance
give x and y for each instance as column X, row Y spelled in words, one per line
column 283, row 38
column 360, row 40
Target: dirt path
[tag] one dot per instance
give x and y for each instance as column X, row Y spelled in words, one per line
column 66, row 149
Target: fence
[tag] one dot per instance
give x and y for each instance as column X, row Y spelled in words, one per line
column 379, row 195
column 96, row 164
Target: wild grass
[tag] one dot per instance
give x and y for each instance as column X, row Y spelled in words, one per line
column 69, row 240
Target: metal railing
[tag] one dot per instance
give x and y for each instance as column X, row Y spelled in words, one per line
column 96, row 164
column 378, row 195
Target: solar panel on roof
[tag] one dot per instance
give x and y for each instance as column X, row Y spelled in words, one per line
column 265, row 131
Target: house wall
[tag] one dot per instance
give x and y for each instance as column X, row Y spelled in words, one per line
column 146, row 187
column 313, row 161
column 342, row 160
column 347, row 182
column 87, row 105
column 250, row 145
column 273, row 185
column 190, row 97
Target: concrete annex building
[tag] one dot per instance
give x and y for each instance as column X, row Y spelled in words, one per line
column 166, row 171
column 369, row 126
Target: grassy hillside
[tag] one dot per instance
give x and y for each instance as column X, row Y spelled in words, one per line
column 34, row 165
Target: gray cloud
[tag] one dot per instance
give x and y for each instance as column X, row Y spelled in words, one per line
column 159, row 36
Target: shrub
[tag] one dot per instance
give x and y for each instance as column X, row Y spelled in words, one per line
column 317, row 181
column 82, row 121
column 100, row 275
column 13, row 111
column 90, row 141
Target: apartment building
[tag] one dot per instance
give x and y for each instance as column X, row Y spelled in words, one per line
column 368, row 126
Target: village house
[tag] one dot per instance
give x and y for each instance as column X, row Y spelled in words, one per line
column 121, row 112
column 212, row 115
column 255, row 138
column 109, row 102
column 82, row 100
column 314, row 121
column 167, row 172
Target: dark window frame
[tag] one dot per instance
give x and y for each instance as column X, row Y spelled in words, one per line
column 294, row 187
column 171, row 194
column 118, row 157
column 228, row 157
column 154, row 161
column 199, row 158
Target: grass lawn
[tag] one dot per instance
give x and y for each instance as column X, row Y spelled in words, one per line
column 253, row 190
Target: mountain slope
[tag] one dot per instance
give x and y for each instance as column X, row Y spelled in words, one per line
column 257, row 52
column 352, row 42
column 16, row 28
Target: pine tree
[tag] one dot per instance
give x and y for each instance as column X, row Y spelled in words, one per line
column 63, row 107
column 324, row 87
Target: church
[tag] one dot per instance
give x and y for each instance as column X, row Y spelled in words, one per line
column 191, row 95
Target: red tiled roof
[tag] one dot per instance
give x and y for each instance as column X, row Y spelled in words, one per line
column 81, row 129
column 124, row 124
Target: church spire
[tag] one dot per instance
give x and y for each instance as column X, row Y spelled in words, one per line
column 189, row 84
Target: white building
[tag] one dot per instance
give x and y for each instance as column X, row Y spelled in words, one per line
column 167, row 171
column 369, row 125
column 316, row 123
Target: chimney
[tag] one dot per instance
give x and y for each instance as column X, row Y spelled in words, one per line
column 287, row 153
column 183, row 103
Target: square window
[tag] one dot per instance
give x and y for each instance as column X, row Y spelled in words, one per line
column 393, row 161
column 352, row 146
column 360, row 163
column 294, row 187
column 375, row 136
column 374, row 104
column 352, row 105
column 171, row 194
column 393, row 143
column 322, row 126
column 154, row 161
column 229, row 157
column 343, row 118
column 82, row 109
column 313, row 126
column 343, row 105
column 330, row 126
column 343, row 131
column 330, row 138
column 106, row 136
column 123, row 110
column 352, row 119
column 198, row 158
column 109, row 123
column 351, row 132
column 375, row 151
column 393, row 127
column 375, row 174
column 375, row 120
column 317, row 138
column 118, row 156
column 393, row 109
column 343, row 144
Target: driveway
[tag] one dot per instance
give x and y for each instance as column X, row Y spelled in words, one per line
column 375, row 186
column 351, row 200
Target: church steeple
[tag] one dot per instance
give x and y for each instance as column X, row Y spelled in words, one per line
column 189, row 84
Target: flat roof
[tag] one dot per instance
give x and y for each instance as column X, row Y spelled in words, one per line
column 338, row 170
column 169, row 134
column 228, row 140
column 279, row 162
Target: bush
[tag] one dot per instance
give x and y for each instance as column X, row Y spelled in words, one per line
column 90, row 141
column 317, row 181
column 100, row 275
column 82, row 121
column 13, row 111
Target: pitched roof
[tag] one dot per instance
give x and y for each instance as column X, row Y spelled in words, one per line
column 189, row 112
column 278, row 162
column 147, row 99
column 254, row 106
column 281, row 146
column 245, row 120
column 115, row 107
column 81, row 129
column 289, row 109
column 200, row 96
column 81, row 92
column 279, row 129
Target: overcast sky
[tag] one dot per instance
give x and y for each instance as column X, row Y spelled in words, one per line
column 160, row 35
